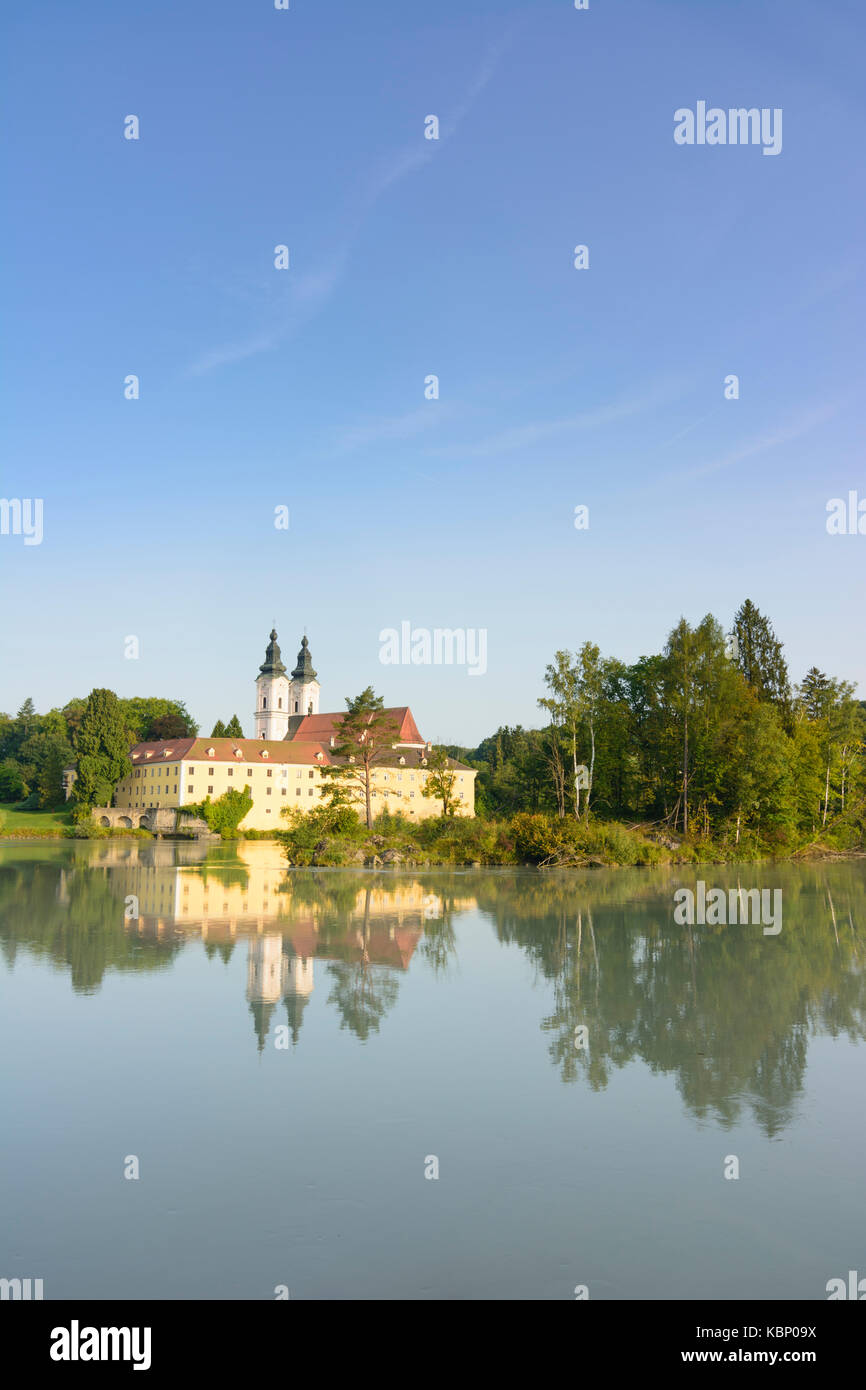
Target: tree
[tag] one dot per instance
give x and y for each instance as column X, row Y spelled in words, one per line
column 225, row 814
column 366, row 739
column 49, row 779
column 441, row 781
column 759, row 656
column 141, row 714
column 103, row 750
column 218, row 730
column 590, row 677
column 233, row 728
column 165, row 727
column 12, row 784
column 563, row 706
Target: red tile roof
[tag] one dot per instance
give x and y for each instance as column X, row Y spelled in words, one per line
column 318, row 728
column 195, row 749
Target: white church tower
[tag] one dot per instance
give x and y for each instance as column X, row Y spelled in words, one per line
column 304, row 689
column 272, row 695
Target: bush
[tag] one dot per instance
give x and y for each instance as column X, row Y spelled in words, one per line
column 537, row 837
column 225, row 814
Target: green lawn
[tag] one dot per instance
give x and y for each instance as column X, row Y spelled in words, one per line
column 13, row 820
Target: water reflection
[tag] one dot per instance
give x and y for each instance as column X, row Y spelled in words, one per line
column 725, row 1010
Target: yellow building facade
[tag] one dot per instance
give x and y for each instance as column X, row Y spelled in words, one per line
column 289, row 771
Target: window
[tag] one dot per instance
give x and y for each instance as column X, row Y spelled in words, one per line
column 280, row 703
column 270, row 772
column 249, row 772
column 270, row 790
column 264, row 702
column 210, row 791
column 283, row 792
column 310, row 774
column 310, row 792
column 296, row 707
column 297, row 791
column 231, row 772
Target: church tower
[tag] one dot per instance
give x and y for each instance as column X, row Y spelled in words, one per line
column 304, row 689
column 272, row 695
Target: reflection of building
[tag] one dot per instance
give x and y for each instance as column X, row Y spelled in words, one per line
column 283, row 767
column 274, row 972
column 290, row 920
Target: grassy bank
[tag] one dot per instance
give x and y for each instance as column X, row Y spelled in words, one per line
column 39, row 825
column 341, row 840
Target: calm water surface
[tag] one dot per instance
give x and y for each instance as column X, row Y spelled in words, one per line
column 285, row 1053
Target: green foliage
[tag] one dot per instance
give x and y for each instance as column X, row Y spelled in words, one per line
column 233, row 728
column 225, row 814
column 12, row 784
column 151, row 719
column 441, row 781
column 218, row 730
column 365, row 741
column 103, row 749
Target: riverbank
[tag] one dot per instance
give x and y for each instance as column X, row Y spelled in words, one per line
column 535, row 840
column 526, row 840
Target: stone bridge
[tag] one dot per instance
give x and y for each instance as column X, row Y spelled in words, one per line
column 163, row 820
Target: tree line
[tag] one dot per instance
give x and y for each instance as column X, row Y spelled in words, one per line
column 99, row 729
column 707, row 737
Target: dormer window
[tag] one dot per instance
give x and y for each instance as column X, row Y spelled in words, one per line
column 423, row 762
column 264, row 752
column 211, row 752
column 149, row 753
column 402, row 761
column 167, row 752
column 238, row 752
column 320, row 756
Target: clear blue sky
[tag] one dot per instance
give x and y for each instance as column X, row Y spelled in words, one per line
column 305, row 387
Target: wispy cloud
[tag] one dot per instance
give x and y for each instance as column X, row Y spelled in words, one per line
column 309, row 293
column 764, row 443
column 387, row 428
column 542, row 431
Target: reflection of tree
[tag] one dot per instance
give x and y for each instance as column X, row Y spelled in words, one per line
column 439, row 943
column 726, row 1010
column 75, row 916
column 225, row 867
column 363, row 993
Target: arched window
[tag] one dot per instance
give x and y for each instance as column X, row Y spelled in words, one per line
column 264, row 702
column 296, row 707
column 280, row 703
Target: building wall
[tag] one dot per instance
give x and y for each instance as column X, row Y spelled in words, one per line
column 301, row 786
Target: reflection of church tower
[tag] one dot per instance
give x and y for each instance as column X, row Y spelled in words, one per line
column 266, row 978
column 304, row 689
column 299, row 986
column 272, row 694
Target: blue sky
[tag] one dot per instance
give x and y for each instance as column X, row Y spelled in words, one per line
column 409, row 257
